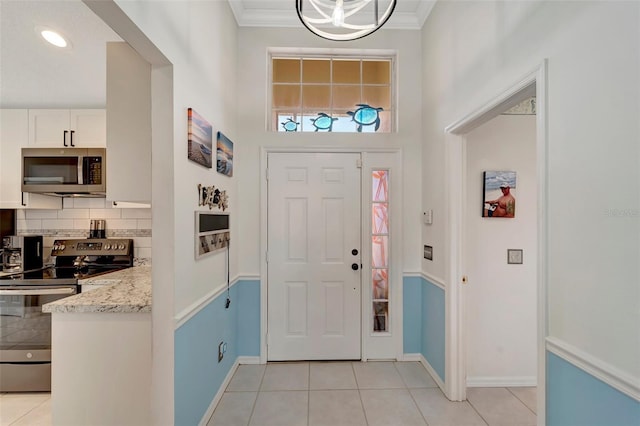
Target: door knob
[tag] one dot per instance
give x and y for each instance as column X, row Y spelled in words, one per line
column 354, row 252
column 354, row 266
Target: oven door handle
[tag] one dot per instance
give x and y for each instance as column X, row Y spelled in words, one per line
column 41, row 292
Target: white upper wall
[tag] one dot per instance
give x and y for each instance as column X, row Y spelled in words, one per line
column 475, row 50
column 199, row 38
column 253, row 64
column 501, row 298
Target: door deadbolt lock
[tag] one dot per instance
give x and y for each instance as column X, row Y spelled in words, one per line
column 354, row 266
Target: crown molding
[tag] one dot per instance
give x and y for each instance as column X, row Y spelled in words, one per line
column 278, row 19
column 423, row 11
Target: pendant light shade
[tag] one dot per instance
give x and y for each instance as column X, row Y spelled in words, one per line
column 343, row 20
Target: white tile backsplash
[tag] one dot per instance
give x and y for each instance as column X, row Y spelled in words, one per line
column 142, row 242
column 57, row 223
column 30, row 225
column 89, row 203
column 143, row 252
column 144, row 223
column 122, row 224
column 82, row 224
column 136, row 213
column 105, row 213
column 73, row 221
column 41, row 214
column 73, row 213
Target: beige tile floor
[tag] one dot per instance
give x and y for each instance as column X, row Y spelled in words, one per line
column 332, row 394
column 25, row 409
column 356, row 393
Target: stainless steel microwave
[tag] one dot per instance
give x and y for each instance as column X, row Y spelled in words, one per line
column 64, row 171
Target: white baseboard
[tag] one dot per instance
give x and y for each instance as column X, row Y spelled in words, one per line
column 412, row 357
column 248, row 360
column 501, row 382
column 432, row 372
column 216, row 399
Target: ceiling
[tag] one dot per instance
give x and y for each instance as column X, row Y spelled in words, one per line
column 34, row 74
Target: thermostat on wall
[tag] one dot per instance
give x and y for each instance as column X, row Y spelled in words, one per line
column 427, row 217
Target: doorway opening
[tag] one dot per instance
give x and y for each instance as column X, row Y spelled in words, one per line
column 499, row 252
column 460, row 192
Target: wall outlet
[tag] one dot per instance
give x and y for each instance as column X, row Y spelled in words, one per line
column 221, row 350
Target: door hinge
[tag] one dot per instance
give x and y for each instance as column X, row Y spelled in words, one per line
column 266, row 256
column 266, row 338
column 266, row 173
column 359, row 163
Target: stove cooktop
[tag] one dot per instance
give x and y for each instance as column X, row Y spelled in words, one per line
column 56, row 275
column 77, row 259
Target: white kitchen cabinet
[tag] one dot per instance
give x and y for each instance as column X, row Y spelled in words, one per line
column 81, row 128
column 128, row 126
column 14, row 135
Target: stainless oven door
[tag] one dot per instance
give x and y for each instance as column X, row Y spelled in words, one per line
column 25, row 336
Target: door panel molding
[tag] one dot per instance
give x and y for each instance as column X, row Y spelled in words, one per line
column 384, row 157
column 313, row 304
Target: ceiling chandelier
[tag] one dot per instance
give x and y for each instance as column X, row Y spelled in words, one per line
column 343, row 20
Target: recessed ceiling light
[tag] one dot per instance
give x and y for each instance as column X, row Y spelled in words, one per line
column 53, row 37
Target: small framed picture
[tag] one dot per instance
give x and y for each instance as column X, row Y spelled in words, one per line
column 499, row 194
column 224, row 162
column 514, row 256
column 200, row 139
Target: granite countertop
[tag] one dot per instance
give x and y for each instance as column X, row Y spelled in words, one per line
column 125, row 291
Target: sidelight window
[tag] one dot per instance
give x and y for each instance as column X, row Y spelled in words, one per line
column 380, row 250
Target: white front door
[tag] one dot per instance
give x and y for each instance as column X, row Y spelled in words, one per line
column 313, row 241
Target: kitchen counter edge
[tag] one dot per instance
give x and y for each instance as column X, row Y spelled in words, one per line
column 129, row 293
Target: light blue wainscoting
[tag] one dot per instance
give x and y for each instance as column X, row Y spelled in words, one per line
column 424, row 321
column 198, row 374
column 412, row 314
column 248, row 337
column 574, row 397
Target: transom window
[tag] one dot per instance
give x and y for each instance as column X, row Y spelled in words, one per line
column 320, row 94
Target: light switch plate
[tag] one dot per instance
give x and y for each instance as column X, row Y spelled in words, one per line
column 514, row 256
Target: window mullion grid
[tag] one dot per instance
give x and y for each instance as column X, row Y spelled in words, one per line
column 331, row 110
column 331, row 87
column 301, row 87
column 361, row 81
column 382, row 267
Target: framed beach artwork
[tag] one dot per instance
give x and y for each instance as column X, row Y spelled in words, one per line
column 499, row 194
column 200, row 139
column 224, row 163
